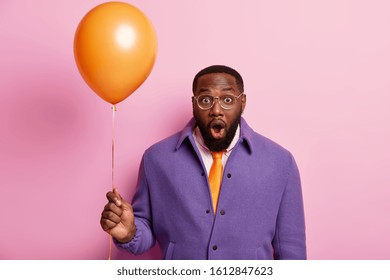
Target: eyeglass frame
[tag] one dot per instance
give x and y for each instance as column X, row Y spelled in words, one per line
column 219, row 100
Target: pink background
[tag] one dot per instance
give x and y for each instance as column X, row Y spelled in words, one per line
column 317, row 81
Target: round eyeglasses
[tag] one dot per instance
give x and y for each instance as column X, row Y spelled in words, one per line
column 206, row 102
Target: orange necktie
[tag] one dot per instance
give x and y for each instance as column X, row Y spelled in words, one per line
column 215, row 177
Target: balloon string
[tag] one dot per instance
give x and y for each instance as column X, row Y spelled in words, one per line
column 110, row 250
column 112, row 166
column 113, row 146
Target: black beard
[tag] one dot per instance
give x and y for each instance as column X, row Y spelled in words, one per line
column 217, row 145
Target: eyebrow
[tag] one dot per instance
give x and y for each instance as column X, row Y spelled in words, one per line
column 224, row 89
column 228, row 89
column 203, row 90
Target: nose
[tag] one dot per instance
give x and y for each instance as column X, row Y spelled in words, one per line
column 216, row 110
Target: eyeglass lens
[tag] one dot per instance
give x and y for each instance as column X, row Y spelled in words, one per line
column 207, row 101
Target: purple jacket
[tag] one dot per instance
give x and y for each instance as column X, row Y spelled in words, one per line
column 260, row 209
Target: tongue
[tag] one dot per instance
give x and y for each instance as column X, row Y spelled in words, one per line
column 217, row 128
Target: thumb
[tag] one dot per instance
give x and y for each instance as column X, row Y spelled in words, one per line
column 121, row 202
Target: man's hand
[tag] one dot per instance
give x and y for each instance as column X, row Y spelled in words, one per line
column 118, row 218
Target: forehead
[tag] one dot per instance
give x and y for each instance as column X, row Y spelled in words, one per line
column 216, row 80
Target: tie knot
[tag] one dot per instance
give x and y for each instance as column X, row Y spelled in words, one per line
column 217, row 155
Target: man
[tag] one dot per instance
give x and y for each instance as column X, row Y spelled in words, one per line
column 215, row 190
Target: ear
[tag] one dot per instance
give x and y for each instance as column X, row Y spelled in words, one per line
column 243, row 102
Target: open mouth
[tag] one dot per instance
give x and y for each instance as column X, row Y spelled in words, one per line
column 217, row 129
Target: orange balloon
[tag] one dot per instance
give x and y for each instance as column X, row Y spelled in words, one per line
column 115, row 49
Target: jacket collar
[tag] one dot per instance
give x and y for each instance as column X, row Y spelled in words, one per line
column 246, row 136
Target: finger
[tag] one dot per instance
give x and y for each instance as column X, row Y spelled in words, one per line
column 113, row 208
column 112, row 197
column 111, row 216
column 107, row 225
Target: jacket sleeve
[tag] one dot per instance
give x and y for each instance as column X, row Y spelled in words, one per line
column 144, row 238
column 290, row 239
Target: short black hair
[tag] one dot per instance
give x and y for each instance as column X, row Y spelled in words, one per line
column 219, row 69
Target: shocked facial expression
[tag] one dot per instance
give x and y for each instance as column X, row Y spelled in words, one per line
column 218, row 124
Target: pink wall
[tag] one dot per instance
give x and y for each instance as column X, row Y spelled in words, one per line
column 317, row 81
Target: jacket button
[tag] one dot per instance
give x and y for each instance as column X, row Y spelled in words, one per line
column 202, row 174
column 215, row 247
column 229, row 175
column 207, row 211
column 222, row 212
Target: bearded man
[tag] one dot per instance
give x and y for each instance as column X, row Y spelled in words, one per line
column 216, row 189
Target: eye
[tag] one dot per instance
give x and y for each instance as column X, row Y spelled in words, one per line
column 205, row 99
column 228, row 99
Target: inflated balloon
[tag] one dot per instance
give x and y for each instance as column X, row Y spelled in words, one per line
column 115, row 48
